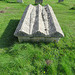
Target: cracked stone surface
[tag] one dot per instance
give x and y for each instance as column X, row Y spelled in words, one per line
column 38, row 23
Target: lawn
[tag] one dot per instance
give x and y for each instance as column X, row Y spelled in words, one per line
column 37, row 58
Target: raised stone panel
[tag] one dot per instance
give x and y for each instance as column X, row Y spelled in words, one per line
column 38, row 23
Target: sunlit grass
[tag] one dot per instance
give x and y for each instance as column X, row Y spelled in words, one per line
column 36, row 58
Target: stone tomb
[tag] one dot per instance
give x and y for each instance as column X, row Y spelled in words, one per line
column 38, row 23
column 38, row 1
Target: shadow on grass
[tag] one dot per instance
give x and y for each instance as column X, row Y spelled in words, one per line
column 62, row 3
column 40, row 43
column 37, row 4
column 73, row 8
column 9, row 1
column 8, row 38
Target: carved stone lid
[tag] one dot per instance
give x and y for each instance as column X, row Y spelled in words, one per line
column 39, row 21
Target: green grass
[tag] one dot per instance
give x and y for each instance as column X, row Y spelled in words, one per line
column 30, row 58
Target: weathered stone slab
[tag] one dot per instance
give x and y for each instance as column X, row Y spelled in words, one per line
column 38, row 23
column 38, row 1
column 38, row 39
column 20, row 1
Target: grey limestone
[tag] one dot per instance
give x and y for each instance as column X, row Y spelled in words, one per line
column 38, row 23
